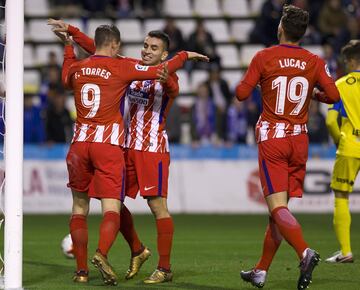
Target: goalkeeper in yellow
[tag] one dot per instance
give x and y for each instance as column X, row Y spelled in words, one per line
column 347, row 139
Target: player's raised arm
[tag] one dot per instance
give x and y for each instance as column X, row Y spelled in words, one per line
column 249, row 81
column 330, row 93
column 133, row 71
column 79, row 37
column 69, row 57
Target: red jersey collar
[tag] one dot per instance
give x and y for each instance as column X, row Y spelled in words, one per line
column 291, row 46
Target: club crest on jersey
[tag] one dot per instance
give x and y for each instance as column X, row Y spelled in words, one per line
column 351, row 80
column 141, row 67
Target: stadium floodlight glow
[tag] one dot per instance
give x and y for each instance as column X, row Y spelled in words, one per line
column 14, row 70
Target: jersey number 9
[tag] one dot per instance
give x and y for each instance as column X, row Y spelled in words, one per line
column 90, row 98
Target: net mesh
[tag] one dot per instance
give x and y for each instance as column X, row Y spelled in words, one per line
column 2, row 127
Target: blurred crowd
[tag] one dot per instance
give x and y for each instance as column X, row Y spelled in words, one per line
column 214, row 116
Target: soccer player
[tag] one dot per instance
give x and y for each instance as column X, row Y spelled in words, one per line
column 287, row 75
column 147, row 153
column 347, row 140
column 147, row 158
column 95, row 155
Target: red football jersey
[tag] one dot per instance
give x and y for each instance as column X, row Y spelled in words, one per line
column 99, row 85
column 287, row 75
column 148, row 105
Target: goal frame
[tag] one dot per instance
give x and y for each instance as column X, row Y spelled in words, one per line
column 13, row 151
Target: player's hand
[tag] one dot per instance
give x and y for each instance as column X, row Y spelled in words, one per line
column 163, row 74
column 314, row 93
column 64, row 37
column 58, row 25
column 197, row 56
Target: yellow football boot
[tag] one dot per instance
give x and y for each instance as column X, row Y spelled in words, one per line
column 81, row 276
column 106, row 270
column 136, row 263
column 159, row 276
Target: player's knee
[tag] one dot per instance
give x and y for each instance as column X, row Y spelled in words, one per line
column 110, row 204
column 158, row 208
column 80, row 208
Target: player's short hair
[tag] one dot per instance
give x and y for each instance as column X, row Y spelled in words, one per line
column 294, row 21
column 351, row 50
column 104, row 34
column 162, row 36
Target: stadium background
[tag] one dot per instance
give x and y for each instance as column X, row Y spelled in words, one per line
column 213, row 152
column 214, row 166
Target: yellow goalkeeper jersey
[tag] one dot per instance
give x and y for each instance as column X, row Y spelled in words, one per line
column 348, row 135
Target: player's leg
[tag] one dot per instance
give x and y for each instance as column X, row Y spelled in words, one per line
column 79, row 234
column 127, row 228
column 297, row 170
column 139, row 253
column 272, row 241
column 110, row 224
column 109, row 228
column 344, row 175
column 80, row 176
column 275, row 163
column 165, row 232
column 273, row 169
column 291, row 230
column 342, row 223
column 287, row 224
column 108, row 186
column 271, row 244
column 129, row 233
column 153, row 172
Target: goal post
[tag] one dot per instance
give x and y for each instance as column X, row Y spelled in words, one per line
column 13, row 157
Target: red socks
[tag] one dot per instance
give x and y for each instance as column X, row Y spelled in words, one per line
column 271, row 244
column 289, row 229
column 165, row 231
column 79, row 236
column 108, row 230
column 128, row 231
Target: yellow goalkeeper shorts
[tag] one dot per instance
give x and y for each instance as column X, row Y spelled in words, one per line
column 344, row 173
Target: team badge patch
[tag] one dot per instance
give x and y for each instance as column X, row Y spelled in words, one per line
column 351, row 80
column 141, row 67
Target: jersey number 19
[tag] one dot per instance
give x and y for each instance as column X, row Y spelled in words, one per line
column 295, row 90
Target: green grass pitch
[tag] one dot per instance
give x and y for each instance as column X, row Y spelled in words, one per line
column 208, row 253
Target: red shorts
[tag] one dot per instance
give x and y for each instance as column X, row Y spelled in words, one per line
column 282, row 164
column 101, row 165
column 147, row 172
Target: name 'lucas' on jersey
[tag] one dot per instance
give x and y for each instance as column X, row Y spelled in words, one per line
column 145, row 113
column 291, row 62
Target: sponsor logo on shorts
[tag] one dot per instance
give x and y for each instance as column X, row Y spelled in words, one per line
column 141, row 67
column 146, row 188
column 345, row 180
